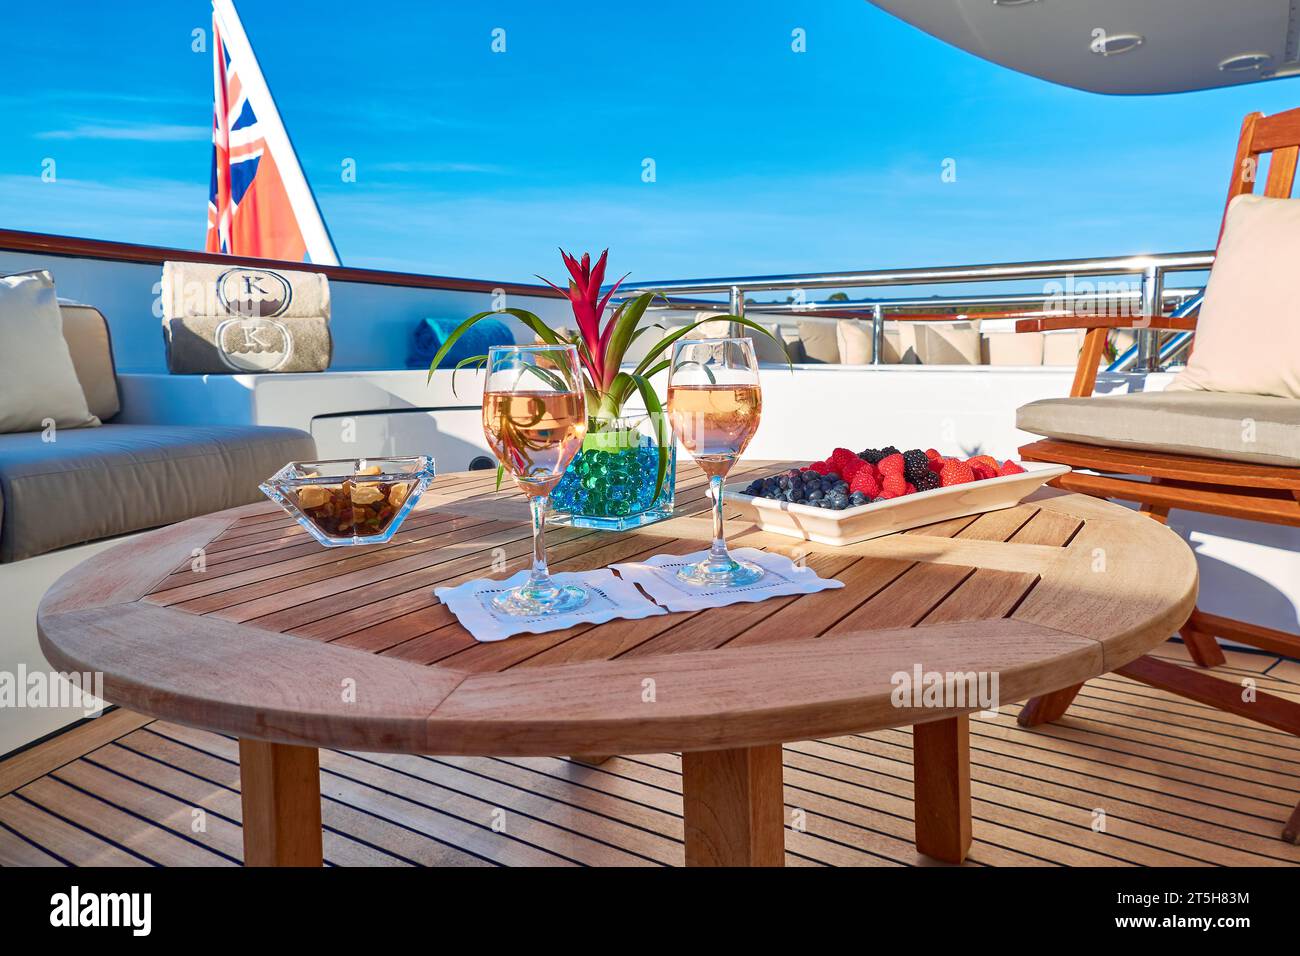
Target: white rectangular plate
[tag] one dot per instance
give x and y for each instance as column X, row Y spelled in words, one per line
column 897, row 514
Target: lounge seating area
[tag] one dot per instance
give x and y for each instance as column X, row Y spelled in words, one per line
column 67, row 492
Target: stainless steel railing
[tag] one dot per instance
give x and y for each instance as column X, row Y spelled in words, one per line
column 1151, row 297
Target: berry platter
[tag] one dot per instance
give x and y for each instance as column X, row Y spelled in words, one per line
column 828, row 509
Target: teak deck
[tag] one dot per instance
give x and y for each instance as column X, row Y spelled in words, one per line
column 1180, row 784
column 240, row 624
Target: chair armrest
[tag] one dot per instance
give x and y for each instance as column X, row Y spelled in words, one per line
column 1055, row 322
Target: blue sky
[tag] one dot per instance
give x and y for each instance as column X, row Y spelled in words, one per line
column 476, row 163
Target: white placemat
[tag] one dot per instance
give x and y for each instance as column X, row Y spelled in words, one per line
column 611, row 597
column 658, row 577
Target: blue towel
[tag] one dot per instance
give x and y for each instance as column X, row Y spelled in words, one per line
column 430, row 334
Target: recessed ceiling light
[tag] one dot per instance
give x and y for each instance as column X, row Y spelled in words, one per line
column 1113, row 44
column 1243, row 62
column 1012, row 3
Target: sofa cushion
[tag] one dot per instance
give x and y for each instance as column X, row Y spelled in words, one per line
column 86, row 331
column 1261, row 429
column 820, row 338
column 95, row 483
column 1248, row 330
column 40, row 381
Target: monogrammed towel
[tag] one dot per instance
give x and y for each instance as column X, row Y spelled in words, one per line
column 228, row 319
column 200, row 290
column 226, row 346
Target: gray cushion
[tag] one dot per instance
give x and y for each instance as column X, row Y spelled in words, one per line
column 1262, row 429
column 86, row 331
column 98, row 482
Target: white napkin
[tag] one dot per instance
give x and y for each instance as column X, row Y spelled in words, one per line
column 611, row 597
column 658, row 577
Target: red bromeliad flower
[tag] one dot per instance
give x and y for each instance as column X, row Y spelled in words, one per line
column 588, row 308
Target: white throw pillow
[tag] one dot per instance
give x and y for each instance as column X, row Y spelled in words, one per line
column 38, row 382
column 1248, row 333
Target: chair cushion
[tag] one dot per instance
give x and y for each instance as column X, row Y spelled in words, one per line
column 1248, row 331
column 96, row 483
column 40, row 381
column 820, row 340
column 1261, row 429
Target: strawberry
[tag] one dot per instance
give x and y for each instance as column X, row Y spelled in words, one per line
column 982, row 470
column 936, row 464
column 988, row 461
column 1009, row 467
column 842, row 457
column 893, row 484
column 932, row 454
column 894, row 464
column 955, row 473
column 864, row 480
column 910, row 490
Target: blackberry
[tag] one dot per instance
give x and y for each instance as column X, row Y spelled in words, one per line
column 871, row 456
column 889, row 450
column 915, row 464
column 926, row 482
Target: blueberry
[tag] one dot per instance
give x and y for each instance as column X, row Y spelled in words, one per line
column 810, row 475
column 834, row 476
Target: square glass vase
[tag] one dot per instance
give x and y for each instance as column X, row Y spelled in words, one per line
column 351, row 501
column 611, row 482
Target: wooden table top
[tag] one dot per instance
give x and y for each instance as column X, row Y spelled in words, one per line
column 240, row 622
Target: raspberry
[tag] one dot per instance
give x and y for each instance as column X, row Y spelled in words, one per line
column 841, row 457
column 936, row 464
column 931, row 454
column 915, row 462
column 927, row 482
column 820, row 467
column 955, row 473
column 1009, row 467
column 865, row 481
column 891, row 464
column 910, row 489
column 852, row 467
column 893, row 483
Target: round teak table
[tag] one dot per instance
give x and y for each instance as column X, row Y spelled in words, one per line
column 239, row 623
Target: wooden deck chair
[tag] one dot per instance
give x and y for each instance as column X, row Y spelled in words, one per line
column 1162, row 474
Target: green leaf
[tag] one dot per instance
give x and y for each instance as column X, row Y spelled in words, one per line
column 626, row 319
column 473, row 359
column 501, row 470
column 660, row 422
column 669, row 340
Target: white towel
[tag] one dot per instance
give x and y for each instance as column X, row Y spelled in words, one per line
column 243, row 291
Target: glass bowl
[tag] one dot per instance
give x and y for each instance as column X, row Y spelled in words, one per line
column 350, row 501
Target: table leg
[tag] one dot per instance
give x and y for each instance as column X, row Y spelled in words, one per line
column 941, row 775
column 734, row 807
column 591, row 760
column 279, row 788
column 1047, row 707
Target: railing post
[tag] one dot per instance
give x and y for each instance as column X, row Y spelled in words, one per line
column 1153, row 280
column 737, row 308
column 877, row 333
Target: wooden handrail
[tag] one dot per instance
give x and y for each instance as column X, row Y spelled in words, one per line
column 13, row 240
column 1054, row 323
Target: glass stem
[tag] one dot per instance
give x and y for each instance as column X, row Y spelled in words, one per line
column 719, row 559
column 539, row 580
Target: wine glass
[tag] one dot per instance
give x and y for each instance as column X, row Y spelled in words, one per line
column 535, row 418
column 714, row 404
